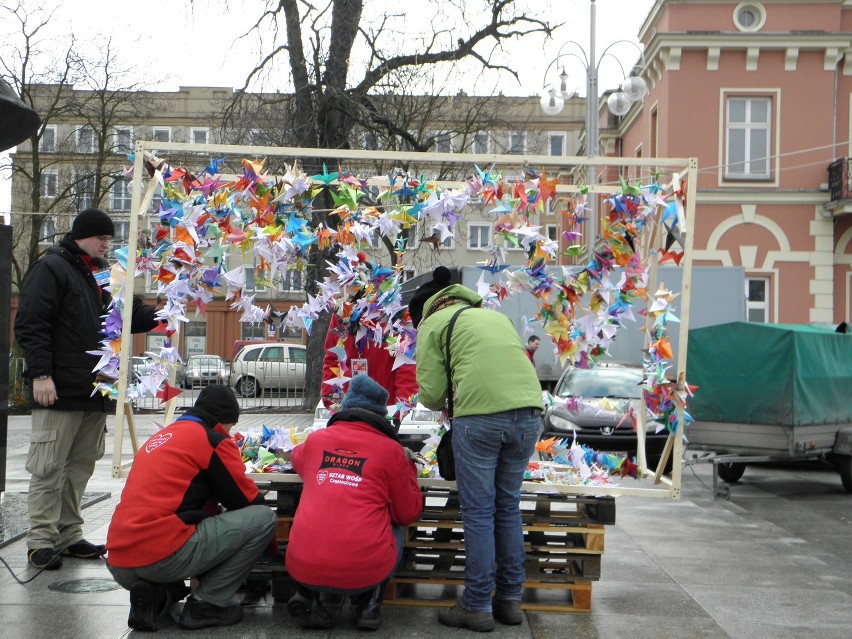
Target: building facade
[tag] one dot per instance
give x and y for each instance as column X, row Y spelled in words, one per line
column 84, row 163
column 759, row 92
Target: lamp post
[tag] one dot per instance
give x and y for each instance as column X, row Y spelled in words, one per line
column 633, row 89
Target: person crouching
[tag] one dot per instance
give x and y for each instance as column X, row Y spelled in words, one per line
column 360, row 490
column 169, row 526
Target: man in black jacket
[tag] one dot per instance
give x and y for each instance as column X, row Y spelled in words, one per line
column 58, row 321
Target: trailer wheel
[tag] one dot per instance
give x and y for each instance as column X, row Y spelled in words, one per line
column 843, row 463
column 730, row 472
column 723, row 491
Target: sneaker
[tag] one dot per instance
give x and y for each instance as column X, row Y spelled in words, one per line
column 44, row 558
column 147, row 602
column 200, row 614
column 84, row 550
column 507, row 611
column 460, row 617
column 309, row 613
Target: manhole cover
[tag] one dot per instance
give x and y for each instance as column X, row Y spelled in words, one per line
column 84, row 585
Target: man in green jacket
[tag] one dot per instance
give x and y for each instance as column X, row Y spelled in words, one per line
column 497, row 418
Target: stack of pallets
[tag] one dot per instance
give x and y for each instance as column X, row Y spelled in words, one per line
column 563, row 538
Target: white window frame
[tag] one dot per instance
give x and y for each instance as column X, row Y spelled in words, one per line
column 199, row 129
column 47, row 232
column 48, row 184
column 82, row 146
column 42, row 145
column 84, row 200
column 121, row 237
column 514, row 148
column 762, row 306
column 120, row 196
column 118, row 147
column 442, row 138
column 478, row 246
column 292, row 277
column 251, row 274
column 757, row 12
column 551, row 232
column 476, row 142
column 556, row 134
column 748, row 128
column 161, row 129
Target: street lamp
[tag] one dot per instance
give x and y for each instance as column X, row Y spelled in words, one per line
column 632, row 90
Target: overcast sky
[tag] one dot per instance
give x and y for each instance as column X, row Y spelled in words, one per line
column 196, row 47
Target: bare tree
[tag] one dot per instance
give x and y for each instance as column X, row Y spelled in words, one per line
column 331, row 98
column 72, row 160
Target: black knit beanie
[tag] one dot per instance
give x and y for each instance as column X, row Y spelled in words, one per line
column 440, row 280
column 91, row 223
column 219, row 401
column 365, row 393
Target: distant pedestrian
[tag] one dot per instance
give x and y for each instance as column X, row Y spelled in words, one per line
column 532, row 346
column 170, row 524
column 58, row 325
column 497, row 417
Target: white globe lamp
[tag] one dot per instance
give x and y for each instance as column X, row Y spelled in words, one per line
column 551, row 103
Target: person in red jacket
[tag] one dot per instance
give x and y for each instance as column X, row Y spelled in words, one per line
column 360, row 490
column 168, row 526
column 367, row 358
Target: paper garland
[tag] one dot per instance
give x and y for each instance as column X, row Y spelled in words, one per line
column 204, row 219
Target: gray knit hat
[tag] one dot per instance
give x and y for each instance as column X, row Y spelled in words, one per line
column 365, row 393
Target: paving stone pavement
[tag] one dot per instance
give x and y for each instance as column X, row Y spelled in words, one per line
column 773, row 561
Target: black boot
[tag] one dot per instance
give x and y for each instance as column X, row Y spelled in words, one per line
column 368, row 608
column 307, row 609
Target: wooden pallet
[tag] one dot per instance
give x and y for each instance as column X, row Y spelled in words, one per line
column 541, row 596
column 563, row 541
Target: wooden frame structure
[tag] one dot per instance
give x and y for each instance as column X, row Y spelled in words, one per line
column 683, row 172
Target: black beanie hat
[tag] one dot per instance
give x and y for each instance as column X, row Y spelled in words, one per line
column 440, row 280
column 90, row 223
column 219, row 401
column 365, row 393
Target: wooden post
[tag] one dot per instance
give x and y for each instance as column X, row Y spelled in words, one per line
column 137, row 208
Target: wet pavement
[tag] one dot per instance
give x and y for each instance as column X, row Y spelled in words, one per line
column 775, row 560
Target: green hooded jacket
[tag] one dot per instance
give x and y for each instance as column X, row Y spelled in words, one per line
column 491, row 372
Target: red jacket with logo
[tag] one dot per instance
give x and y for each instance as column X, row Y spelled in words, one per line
column 178, row 478
column 400, row 383
column 357, row 481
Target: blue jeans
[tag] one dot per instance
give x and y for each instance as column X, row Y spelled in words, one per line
column 491, row 454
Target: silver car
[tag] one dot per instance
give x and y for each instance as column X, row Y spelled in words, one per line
column 201, row 370
column 415, row 427
column 275, row 367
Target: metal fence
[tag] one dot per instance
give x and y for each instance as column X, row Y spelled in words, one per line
column 272, row 392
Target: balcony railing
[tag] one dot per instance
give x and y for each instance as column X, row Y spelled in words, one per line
column 839, row 180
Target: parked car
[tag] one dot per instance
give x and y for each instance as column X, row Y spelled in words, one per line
column 260, row 367
column 201, row 370
column 413, row 431
column 583, row 417
column 140, row 365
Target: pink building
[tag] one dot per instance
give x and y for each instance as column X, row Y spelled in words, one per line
column 759, row 92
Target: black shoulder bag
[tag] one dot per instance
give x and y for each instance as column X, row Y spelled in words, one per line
column 444, row 451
